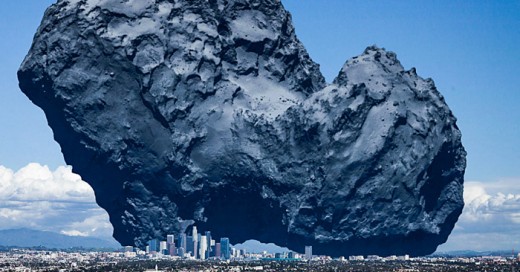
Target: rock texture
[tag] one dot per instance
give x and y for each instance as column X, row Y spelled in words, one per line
column 211, row 112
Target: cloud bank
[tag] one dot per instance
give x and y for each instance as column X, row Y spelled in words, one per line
column 490, row 219
column 59, row 201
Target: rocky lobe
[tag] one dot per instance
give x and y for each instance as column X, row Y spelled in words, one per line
column 212, row 113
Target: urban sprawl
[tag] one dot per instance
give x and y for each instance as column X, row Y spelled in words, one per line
column 75, row 260
column 200, row 252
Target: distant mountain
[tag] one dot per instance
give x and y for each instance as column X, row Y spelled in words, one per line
column 473, row 253
column 255, row 246
column 33, row 238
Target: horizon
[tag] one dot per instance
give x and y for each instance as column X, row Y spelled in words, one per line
column 250, row 245
column 468, row 48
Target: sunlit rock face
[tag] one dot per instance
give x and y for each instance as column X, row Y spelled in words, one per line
column 211, row 112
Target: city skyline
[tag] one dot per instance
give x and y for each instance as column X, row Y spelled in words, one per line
column 473, row 70
column 196, row 246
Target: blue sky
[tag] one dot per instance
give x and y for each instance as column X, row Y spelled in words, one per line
column 469, row 48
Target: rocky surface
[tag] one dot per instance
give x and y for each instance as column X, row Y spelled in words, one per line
column 211, row 113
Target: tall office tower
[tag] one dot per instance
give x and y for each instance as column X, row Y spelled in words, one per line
column 163, row 246
column 225, row 248
column 148, row 249
column 182, row 240
column 182, row 252
column 218, row 251
column 208, row 244
column 154, row 245
column 189, row 245
column 203, row 247
column 212, row 246
column 170, row 239
column 173, row 250
column 308, row 252
column 196, row 247
column 194, row 234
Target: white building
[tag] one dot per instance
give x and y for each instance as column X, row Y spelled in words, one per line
column 391, row 258
column 203, row 246
column 194, row 234
column 373, row 258
column 170, row 239
column 130, row 254
column 356, row 258
column 163, row 246
column 308, row 252
column 404, row 258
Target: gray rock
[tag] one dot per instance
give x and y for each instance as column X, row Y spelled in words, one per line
column 212, row 113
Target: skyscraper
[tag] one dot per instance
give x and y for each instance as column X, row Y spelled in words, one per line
column 154, row 245
column 218, row 251
column 170, row 239
column 181, row 252
column 172, row 250
column 195, row 237
column 308, row 252
column 196, row 246
column 225, row 248
column 163, row 247
column 182, row 236
column 208, row 244
column 190, row 246
column 212, row 246
column 203, row 246
column 194, row 233
column 182, row 243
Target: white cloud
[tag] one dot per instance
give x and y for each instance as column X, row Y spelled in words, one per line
column 74, row 233
column 490, row 219
column 487, row 202
column 59, row 201
column 35, row 182
column 95, row 225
